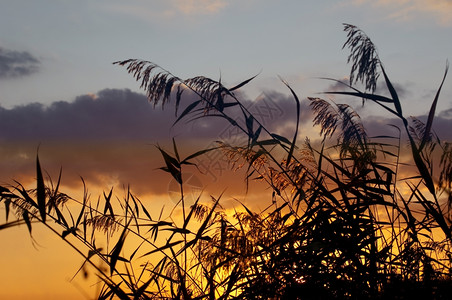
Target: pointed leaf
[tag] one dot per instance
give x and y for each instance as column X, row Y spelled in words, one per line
column 199, row 234
column 431, row 114
column 395, row 97
column 242, row 83
column 220, row 101
column 65, row 233
column 196, row 154
column 175, row 150
column 145, row 211
column 423, row 170
column 187, row 110
column 7, row 206
column 108, row 206
column 27, row 220
column 40, row 191
column 61, row 217
column 280, row 138
column 373, row 97
column 256, row 135
column 83, row 206
column 249, row 125
column 190, row 214
column 114, row 256
column 292, row 146
column 172, row 166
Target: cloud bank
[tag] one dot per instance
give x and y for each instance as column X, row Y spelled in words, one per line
column 109, row 138
column 123, row 115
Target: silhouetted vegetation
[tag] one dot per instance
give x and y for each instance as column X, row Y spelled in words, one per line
column 343, row 221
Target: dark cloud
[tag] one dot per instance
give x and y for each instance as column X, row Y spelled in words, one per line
column 17, row 64
column 124, row 115
column 106, row 138
column 377, row 126
column 109, row 137
column 109, row 115
column 447, row 114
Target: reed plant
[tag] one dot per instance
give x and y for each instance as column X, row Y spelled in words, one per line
column 342, row 222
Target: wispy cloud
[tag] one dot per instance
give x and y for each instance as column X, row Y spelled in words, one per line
column 167, row 9
column 411, row 10
column 196, row 7
column 15, row 64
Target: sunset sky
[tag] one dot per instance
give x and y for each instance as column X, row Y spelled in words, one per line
column 60, row 92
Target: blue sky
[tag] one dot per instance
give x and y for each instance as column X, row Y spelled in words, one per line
column 75, row 42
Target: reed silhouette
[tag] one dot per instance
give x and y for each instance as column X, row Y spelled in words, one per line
column 342, row 223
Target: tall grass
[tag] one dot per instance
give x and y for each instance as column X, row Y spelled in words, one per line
column 340, row 223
